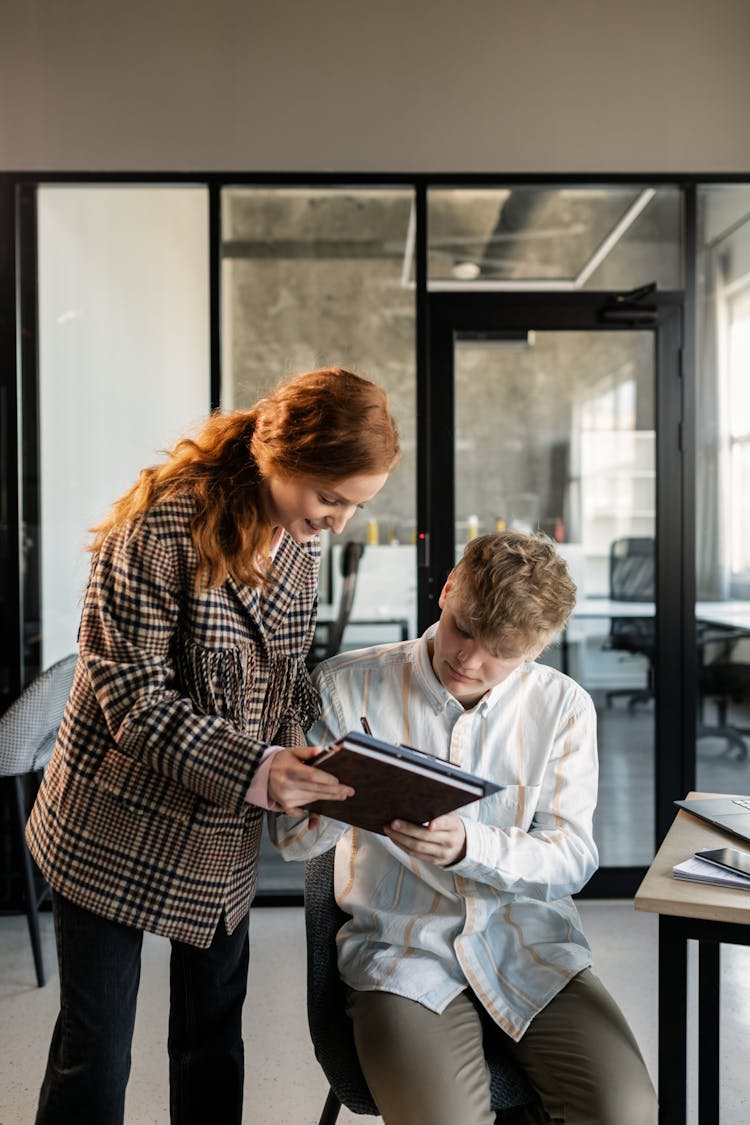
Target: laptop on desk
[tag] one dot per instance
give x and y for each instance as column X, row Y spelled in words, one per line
column 730, row 813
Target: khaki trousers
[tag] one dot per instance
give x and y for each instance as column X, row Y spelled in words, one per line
column 429, row 1069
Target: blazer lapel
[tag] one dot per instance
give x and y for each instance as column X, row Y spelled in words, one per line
column 293, row 571
column 248, row 598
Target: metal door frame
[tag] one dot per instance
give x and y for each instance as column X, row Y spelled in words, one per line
column 453, row 314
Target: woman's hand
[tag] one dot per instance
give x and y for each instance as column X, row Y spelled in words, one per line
column 442, row 841
column 294, row 785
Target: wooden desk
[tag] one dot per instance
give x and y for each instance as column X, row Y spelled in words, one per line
column 709, row 915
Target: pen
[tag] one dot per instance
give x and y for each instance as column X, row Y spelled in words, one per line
column 366, row 728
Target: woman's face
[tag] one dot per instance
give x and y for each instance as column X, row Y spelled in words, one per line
column 304, row 507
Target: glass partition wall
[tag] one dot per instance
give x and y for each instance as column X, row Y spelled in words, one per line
column 313, row 277
column 554, row 426
column 114, row 339
column 146, row 297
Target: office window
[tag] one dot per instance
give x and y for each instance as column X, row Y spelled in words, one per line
column 723, row 394
column 738, row 378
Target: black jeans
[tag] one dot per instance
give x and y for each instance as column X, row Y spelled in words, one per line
column 89, row 1058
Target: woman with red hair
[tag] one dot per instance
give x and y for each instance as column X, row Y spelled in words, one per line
column 185, row 720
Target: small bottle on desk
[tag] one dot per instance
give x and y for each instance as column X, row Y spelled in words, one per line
column 372, row 532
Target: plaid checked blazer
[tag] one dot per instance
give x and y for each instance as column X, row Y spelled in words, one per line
column 141, row 816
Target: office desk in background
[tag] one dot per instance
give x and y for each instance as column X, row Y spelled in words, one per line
column 724, row 615
column 709, row 915
column 587, row 610
column 386, row 595
column 729, row 615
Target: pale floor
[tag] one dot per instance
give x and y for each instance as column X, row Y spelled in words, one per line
column 284, row 1084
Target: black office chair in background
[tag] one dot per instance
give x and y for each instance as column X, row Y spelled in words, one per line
column 631, row 579
column 331, row 1029
column 722, row 680
column 28, row 730
column 329, row 634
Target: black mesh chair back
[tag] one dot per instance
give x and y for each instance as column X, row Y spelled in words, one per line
column 725, row 681
column 632, row 579
column 331, row 1028
column 28, row 730
column 631, row 569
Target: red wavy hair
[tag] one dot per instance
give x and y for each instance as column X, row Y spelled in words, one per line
column 322, row 425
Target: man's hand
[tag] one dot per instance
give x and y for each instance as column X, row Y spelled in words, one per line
column 442, row 841
column 294, row 785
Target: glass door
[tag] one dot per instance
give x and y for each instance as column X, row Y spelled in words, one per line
column 556, row 415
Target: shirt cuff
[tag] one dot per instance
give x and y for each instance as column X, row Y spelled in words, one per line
column 257, row 794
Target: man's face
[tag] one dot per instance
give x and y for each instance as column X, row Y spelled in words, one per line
column 461, row 663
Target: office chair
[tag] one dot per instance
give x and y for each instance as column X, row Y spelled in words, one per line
column 631, row 579
column 28, row 730
column 331, row 1029
column 329, row 634
column 722, row 680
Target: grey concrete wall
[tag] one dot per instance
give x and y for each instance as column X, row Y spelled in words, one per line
column 397, row 85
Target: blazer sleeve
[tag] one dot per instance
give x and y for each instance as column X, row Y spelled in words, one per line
column 303, row 711
column 293, row 836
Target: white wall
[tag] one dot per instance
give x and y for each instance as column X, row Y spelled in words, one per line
column 123, row 363
column 388, row 85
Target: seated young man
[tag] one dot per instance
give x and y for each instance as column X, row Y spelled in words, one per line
column 469, row 919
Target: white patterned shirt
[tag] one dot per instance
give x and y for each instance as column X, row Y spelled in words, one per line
column 501, row 919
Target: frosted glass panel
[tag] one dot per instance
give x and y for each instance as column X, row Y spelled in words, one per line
column 123, row 364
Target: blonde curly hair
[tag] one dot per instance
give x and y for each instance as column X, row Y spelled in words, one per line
column 514, row 591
